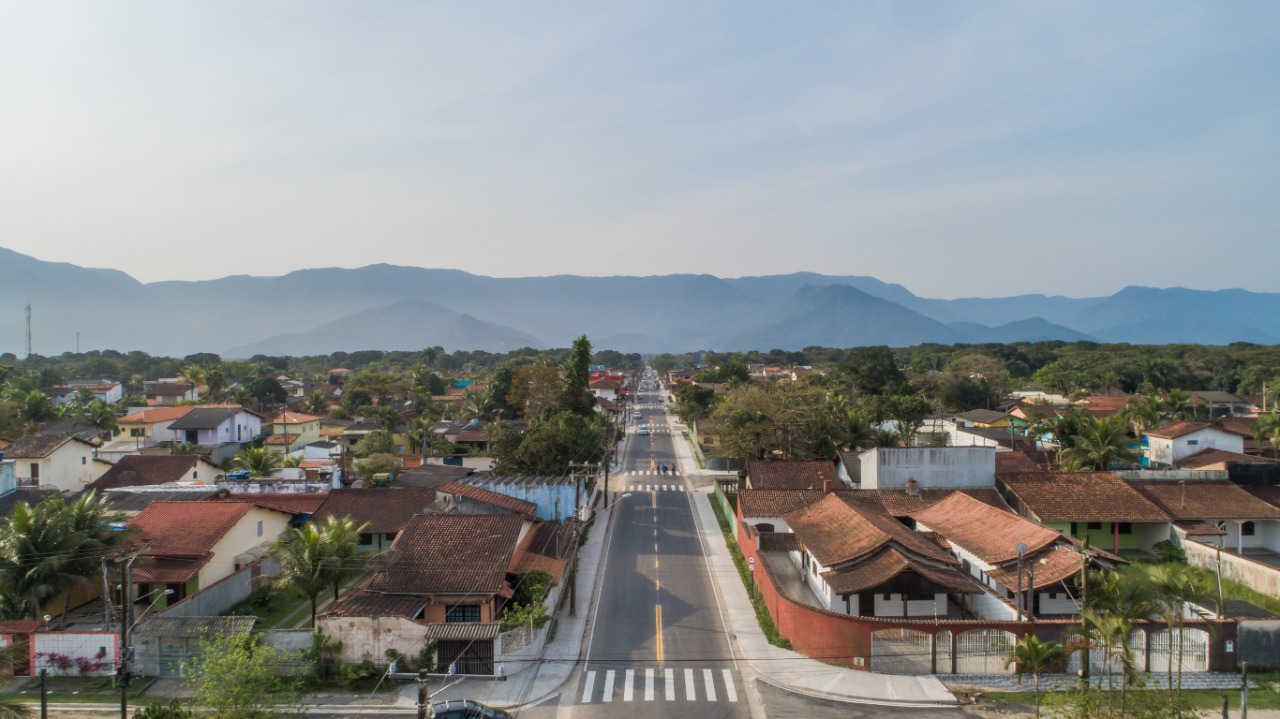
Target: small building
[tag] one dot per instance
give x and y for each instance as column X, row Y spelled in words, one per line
column 1217, row 512
column 382, row 511
column 153, row 469
column 1168, row 445
column 1099, row 506
column 224, row 430
column 792, row 474
column 927, row 467
column 59, row 462
column 552, row 499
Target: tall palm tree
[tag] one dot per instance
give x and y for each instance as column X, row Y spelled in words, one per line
column 1175, row 587
column 1034, row 657
column 858, row 433
column 343, row 538
column 260, row 461
column 37, row 550
column 1102, row 443
column 1267, row 427
column 35, row 407
column 1176, row 404
column 304, row 564
column 316, row 403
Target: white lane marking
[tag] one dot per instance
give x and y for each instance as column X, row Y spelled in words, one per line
column 588, row 686
column 648, row 684
column 669, row 684
column 690, row 689
column 730, row 691
column 710, row 685
column 629, row 686
column 608, row 686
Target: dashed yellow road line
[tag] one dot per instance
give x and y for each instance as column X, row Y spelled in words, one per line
column 657, row 621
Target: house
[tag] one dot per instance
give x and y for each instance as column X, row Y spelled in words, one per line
column 169, row 392
column 1220, row 460
column 145, row 425
column 791, row 474
column 188, row 546
column 1099, row 506
column 447, row 582
column 78, row 428
column 431, row 475
column 606, row 388
column 466, row 498
column 984, row 418
column 986, row 539
column 860, row 562
column 382, row 511
column 150, row 470
column 764, row 509
column 224, row 430
column 1167, row 445
column 1221, row 404
column 291, row 431
column 1215, row 511
column 299, row 506
column 61, row 462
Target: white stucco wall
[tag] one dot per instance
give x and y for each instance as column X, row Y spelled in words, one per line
column 930, row 467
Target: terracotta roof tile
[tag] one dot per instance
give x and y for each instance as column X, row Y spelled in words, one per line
column 1058, row 564
column 160, row 570
column 887, row 564
column 151, row 416
column 991, row 534
column 1206, row 457
column 1079, row 496
column 836, row 531
column 290, row 502
column 451, row 554
column 791, row 474
column 386, row 509
column 900, row 503
column 1022, row 461
column 277, row 438
column 1270, row 495
column 480, row 494
column 362, row 603
column 186, row 529
column 1196, row 499
column 766, row 503
column 1177, row 429
column 36, row 446
column 136, row 470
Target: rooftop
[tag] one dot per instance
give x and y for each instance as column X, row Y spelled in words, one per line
column 1079, row 496
column 451, row 554
column 991, row 534
column 1208, row 499
column 791, row 474
column 836, row 531
column 386, row 509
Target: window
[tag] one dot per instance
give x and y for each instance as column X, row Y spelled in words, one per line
column 137, row 432
column 84, row 460
column 259, row 527
column 195, row 474
column 1125, row 528
column 1247, row 529
column 1093, row 525
column 1192, row 442
column 462, row 613
column 35, row 470
column 888, row 597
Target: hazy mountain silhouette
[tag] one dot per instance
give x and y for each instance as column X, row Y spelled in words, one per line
column 392, row 307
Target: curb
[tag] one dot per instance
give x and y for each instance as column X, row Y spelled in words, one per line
column 847, row 699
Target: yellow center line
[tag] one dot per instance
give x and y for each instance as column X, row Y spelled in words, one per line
column 657, row 621
column 655, row 499
column 655, row 562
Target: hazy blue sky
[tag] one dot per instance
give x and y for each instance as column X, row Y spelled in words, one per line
column 957, row 148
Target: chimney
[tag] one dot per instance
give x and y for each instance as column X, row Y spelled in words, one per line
column 826, row 486
column 913, row 488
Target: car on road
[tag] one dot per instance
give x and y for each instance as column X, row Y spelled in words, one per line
column 637, row 415
column 642, row 430
column 466, row 709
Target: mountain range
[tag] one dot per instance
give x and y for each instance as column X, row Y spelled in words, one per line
column 390, row 307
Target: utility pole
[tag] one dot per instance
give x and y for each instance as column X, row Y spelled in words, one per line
column 424, row 697
column 28, row 330
column 44, row 694
column 126, row 620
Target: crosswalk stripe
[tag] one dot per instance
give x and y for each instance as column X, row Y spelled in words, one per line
column 669, row 684
column 629, row 686
column 588, row 686
column 648, row 684
column 608, row 686
column 730, row 691
column 690, row 689
column 710, row 683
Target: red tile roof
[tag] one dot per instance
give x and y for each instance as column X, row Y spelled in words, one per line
column 1208, row 499
column 1052, row 567
column 480, row 494
column 791, row 474
column 1177, row 429
column 386, row 510
column 291, row 502
column 160, row 570
column 887, row 564
column 900, row 503
column 151, row 416
column 362, row 603
column 991, row 534
column 186, row 529
column 1206, row 457
column 772, row 503
column 1021, row 461
column 546, row 548
column 1270, row 495
column 294, row 418
column 836, row 531
column 135, row 470
column 451, row 554
column 1079, row 496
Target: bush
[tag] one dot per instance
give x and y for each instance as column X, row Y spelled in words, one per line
column 1168, row 552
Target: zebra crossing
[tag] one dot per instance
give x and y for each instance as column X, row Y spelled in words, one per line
column 658, row 684
column 654, row 488
column 671, row 472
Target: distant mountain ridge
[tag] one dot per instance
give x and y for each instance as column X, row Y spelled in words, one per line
column 318, row 311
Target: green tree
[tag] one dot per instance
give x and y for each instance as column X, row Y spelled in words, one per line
column 379, row 463
column 239, row 678
column 1034, row 657
column 35, row 407
column 1267, row 428
column 304, row 564
column 342, row 536
column 316, row 403
column 576, row 397
column 260, row 462
column 1100, row 445
column 872, row 370
column 1175, row 586
column 379, row 441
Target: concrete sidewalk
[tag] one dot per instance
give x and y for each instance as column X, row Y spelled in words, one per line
column 784, row 668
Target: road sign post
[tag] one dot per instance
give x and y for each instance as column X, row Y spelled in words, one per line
column 751, row 567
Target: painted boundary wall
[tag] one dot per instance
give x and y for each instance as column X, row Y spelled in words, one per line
column 845, row 640
column 224, row 593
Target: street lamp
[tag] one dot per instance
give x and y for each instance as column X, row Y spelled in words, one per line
column 1022, row 550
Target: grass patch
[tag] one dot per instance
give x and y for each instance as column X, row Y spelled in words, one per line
column 1232, row 589
column 80, row 690
column 271, row 607
column 757, row 602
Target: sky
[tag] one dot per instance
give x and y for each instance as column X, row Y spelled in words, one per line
column 960, row 149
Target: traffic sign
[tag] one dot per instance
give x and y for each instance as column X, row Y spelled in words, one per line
column 751, row 564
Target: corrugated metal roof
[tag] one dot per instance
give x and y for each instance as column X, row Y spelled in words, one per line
column 196, row 627
column 464, row 631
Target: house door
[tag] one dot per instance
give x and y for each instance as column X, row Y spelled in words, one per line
column 193, row 437
column 467, row 657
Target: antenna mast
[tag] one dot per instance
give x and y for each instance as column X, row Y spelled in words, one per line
column 28, row 330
